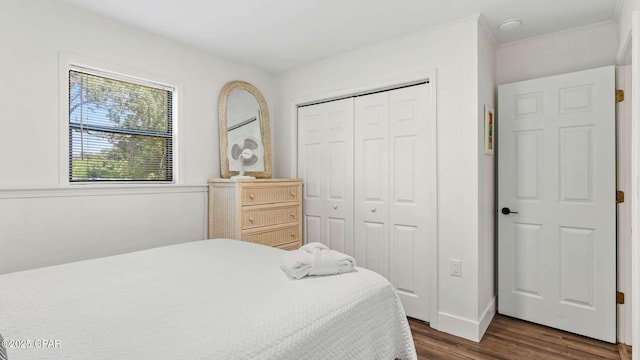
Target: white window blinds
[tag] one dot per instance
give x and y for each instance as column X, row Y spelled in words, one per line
column 118, row 130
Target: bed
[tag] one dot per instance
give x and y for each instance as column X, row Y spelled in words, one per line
column 209, row 299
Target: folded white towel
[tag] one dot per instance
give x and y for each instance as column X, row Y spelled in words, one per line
column 315, row 259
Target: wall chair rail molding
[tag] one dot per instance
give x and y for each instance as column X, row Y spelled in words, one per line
column 79, row 190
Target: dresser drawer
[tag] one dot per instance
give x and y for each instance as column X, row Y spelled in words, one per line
column 263, row 211
column 273, row 237
column 270, row 195
column 290, row 246
column 271, row 215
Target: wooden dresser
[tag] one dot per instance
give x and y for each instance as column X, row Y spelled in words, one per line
column 263, row 211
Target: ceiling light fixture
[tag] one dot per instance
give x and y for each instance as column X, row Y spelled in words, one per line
column 510, row 24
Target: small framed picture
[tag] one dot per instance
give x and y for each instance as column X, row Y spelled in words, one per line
column 489, row 130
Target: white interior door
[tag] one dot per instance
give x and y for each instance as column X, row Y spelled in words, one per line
column 325, row 162
column 556, row 159
column 393, row 164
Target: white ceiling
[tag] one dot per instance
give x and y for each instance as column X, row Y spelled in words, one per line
column 277, row 35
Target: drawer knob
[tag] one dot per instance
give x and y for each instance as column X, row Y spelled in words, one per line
column 292, row 193
column 373, row 210
column 251, row 220
column 292, row 215
column 335, row 207
column 251, row 196
column 293, row 235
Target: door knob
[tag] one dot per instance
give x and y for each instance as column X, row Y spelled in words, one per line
column 507, row 211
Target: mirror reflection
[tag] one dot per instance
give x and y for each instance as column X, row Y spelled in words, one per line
column 244, row 131
column 245, row 143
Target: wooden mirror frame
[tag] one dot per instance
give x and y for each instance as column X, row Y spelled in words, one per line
column 264, row 128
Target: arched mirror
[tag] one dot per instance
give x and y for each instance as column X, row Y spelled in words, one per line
column 244, row 124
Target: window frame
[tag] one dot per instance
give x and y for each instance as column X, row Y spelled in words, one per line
column 74, row 63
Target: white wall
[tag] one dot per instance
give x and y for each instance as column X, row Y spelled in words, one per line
column 622, row 16
column 52, row 226
column 42, row 227
column 486, row 179
column 452, row 51
column 562, row 52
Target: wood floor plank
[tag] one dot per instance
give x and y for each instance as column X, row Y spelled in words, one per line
column 624, row 355
column 508, row 338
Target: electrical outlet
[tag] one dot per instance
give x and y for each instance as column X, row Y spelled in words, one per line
column 455, row 267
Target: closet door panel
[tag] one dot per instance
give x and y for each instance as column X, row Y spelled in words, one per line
column 337, row 234
column 312, row 193
column 373, row 171
column 372, row 181
column 310, row 151
column 337, row 191
column 405, row 248
column 312, row 155
column 410, row 157
column 338, row 165
column 325, row 162
column 374, row 254
column 405, row 150
column 312, row 226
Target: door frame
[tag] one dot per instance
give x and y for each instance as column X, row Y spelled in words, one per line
column 381, row 84
column 624, row 183
column 635, row 182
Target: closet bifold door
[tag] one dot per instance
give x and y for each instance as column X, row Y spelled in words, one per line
column 393, row 164
column 410, row 182
column 372, row 179
column 325, row 162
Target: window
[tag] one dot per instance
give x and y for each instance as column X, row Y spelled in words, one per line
column 119, row 130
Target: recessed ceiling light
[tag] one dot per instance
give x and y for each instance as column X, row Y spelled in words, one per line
column 510, row 24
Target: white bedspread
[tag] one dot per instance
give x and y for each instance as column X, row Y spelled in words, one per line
column 211, row 299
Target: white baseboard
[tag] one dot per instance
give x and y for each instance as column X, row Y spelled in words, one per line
column 465, row 328
column 486, row 317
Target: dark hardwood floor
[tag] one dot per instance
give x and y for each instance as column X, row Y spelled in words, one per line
column 509, row 338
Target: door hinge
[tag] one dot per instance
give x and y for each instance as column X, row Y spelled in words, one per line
column 619, row 297
column 619, row 196
column 619, row 96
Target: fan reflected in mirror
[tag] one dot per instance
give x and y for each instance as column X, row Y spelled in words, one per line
column 243, row 154
column 244, row 122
